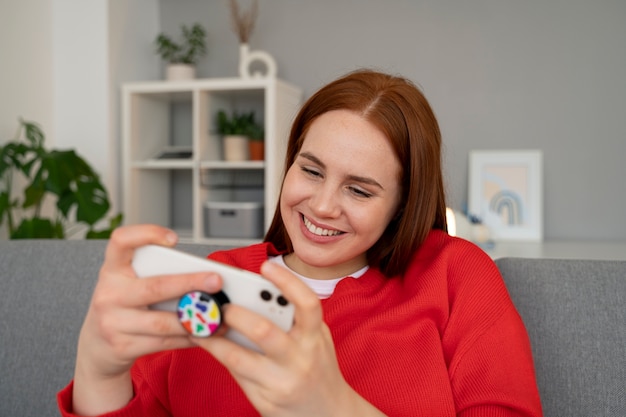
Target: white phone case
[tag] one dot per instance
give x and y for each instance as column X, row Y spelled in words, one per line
column 242, row 287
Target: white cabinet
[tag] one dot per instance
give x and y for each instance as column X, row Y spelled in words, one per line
column 172, row 153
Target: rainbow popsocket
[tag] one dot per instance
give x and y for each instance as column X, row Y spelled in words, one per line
column 200, row 313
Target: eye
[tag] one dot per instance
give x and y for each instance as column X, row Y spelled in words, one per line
column 282, row 301
column 311, row 172
column 359, row 192
column 266, row 295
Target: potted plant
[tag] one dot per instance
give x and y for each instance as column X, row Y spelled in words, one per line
column 238, row 131
column 256, row 144
column 79, row 196
column 182, row 57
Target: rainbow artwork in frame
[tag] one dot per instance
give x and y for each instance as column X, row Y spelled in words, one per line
column 505, row 193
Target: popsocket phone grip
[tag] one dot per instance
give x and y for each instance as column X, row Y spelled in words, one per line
column 200, row 313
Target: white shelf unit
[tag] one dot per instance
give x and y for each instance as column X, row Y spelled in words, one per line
column 180, row 116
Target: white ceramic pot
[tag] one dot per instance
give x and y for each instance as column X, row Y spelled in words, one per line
column 236, row 148
column 178, row 72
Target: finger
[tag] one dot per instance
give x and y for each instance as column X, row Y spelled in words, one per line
column 144, row 345
column 254, row 372
column 139, row 332
column 241, row 362
column 144, row 323
column 126, row 334
column 308, row 309
column 147, row 291
column 124, row 240
column 261, row 331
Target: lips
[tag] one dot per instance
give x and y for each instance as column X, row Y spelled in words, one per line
column 318, row 231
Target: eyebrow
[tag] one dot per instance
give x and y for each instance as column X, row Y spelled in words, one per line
column 357, row 178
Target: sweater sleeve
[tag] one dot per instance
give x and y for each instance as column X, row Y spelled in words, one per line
column 142, row 404
column 487, row 348
column 495, row 376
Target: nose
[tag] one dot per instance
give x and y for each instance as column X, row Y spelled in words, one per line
column 324, row 202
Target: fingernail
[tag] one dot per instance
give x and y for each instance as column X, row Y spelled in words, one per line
column 171, row 238
column 211, row 281
column 266, row 267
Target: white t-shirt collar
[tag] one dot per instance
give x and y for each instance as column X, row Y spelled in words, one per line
column 324, row 288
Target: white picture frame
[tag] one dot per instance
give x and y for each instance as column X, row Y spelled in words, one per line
column 506, row 193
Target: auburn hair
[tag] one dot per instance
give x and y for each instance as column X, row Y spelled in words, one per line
column 399, row 109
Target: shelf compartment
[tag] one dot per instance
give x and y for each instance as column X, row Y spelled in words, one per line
column 210, row 102
column 168, row 116
column 161, row 196
column 159, row 121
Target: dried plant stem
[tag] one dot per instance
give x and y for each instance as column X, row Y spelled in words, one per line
column 243, row 22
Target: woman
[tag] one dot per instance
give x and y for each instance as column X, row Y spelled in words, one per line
column 393, row 316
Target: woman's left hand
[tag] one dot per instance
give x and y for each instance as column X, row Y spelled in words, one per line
column 298, row 374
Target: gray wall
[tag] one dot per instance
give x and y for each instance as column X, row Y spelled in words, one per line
column 500, row 74
column 536, row 74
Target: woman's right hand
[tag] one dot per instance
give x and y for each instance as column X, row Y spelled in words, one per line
column 119, row 328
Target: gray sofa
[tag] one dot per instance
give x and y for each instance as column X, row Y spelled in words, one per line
column 573, row 309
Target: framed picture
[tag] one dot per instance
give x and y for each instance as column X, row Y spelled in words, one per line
column 505, row 193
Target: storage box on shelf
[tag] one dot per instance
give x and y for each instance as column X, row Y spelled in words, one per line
column 234, row 219
column 173, row 157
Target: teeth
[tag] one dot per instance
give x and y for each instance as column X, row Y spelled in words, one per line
column 318, row 230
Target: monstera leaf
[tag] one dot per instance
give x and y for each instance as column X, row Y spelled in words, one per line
column 63, row 174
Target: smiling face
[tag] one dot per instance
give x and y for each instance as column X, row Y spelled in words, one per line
column 339, row 195
column 403, row 116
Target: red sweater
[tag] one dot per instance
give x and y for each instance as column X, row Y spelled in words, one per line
column 443, row 340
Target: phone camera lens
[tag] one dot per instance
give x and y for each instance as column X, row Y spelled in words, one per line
column 282, row 301
column 266, row 295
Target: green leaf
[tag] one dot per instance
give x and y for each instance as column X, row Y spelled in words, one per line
column 98, row 234
column 238, row 124
column 38, row 228
column 12, row 156
column 105, row 233
column 27, row 167
column 63, row 168
column 80, row 196
column 33, row 133
column 93, row 203
column 34, row 193
column 90, row 200
column 188, row 51
column 5, row 204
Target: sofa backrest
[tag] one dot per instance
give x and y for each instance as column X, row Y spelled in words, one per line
column 574, row 311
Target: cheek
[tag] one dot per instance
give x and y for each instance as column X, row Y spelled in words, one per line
column 289, row 193
column 377, row 220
